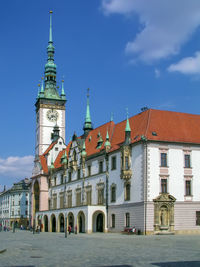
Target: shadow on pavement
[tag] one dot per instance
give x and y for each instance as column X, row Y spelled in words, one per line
column 178, row 264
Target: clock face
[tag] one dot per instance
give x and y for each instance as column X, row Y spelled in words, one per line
column 52, row 115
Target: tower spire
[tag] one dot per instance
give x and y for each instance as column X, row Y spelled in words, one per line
column 50, row 90
column 63, row 96
column 127, row 130
column 88, row 123
column 50, row 28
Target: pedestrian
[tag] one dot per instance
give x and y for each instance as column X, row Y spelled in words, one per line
column 69, row 229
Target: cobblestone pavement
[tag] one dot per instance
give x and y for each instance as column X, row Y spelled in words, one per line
column 52, row 249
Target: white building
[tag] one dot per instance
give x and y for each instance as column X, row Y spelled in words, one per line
column 15, row 205
column 142, row 172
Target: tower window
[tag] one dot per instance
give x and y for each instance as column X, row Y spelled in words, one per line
column 163, row 185
column 113, row 163
column 188, row 188
column 100, row 166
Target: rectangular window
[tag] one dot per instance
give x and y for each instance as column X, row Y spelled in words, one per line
column 197, row 217
column 18, row 212
column 89, row 170
column 26, row 202
column 187, row 161
column 113, row 220
column 61, row 201
column 61, row 179
column 89, row 197
column 70, row 176
column 126, row 163
column 69, row 200
column 163, row 185
column 113, row 163
column 19, row 203
column 127, row 219
column 100, row 166
column 79, row 174
column 100, row 196
column 78, row 198
column 188, row 188
column 113, row 194
column 12, row 213
column 26, row 212
column 54, row 202
column 163, row 159
column 54, row 181
column 127, row 192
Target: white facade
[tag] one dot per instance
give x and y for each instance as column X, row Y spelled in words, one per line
column 15, row 206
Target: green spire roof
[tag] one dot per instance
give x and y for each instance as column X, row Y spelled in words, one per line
column 63, row 96
column 64, row 157
column 128, row 128
column 107, row 143
column 88, row 122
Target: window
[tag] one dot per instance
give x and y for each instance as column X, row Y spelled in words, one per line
column 89, row 170
column 100, row 166
column 113, row 163
column 126, row 163
column 13, row 203
column 113, row 193
column 26, row 212
column 163, row 159
column 197, row 217
column 12, row 212
column 78, row 197
column 70, row 176
column 113, row 221
column 55, row 181
column 79, row 174
column 19, row 203
column 127, row 222
column 26, row 202
column 61, row 179
column 188, row 188
column 18, row 212
column 127, row 192
column 100, row 196
column 61, row 201
column 54, row 202
column 89, row 197
column 187, row 161
column 163, row 185
column 69, row 199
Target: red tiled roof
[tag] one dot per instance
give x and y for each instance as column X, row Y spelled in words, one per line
column 168, row 126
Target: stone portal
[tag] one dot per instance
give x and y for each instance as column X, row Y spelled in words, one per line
column 164, row 214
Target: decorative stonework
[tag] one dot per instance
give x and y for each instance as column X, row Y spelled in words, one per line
column 126, row 171
column 164, row 214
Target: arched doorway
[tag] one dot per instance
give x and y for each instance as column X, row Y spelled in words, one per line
column 81, row 222
column 45, row 223
column 98, row 221
column 61, row 222
column 71, row 220
column 53, row 223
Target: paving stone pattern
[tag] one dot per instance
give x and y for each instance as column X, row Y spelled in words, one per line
column 22, row 248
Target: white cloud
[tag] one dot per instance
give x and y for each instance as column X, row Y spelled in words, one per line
column 157, row 73
column 188, row 65
column 16, row 167
column 166, row 25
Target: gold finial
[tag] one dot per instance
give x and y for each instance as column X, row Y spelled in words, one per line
column 62, row 80
column 38, row 84
column 42, row 78
column 57, row 87
column 50, row 11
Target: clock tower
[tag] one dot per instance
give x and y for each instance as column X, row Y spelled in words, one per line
column 50, row 106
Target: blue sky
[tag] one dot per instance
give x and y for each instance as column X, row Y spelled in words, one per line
column 131, row 53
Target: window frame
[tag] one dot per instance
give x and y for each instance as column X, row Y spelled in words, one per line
column 163, row 161
column 127, row 219
column 113, row 163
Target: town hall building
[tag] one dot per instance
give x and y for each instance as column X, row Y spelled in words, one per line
column 143, row 172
